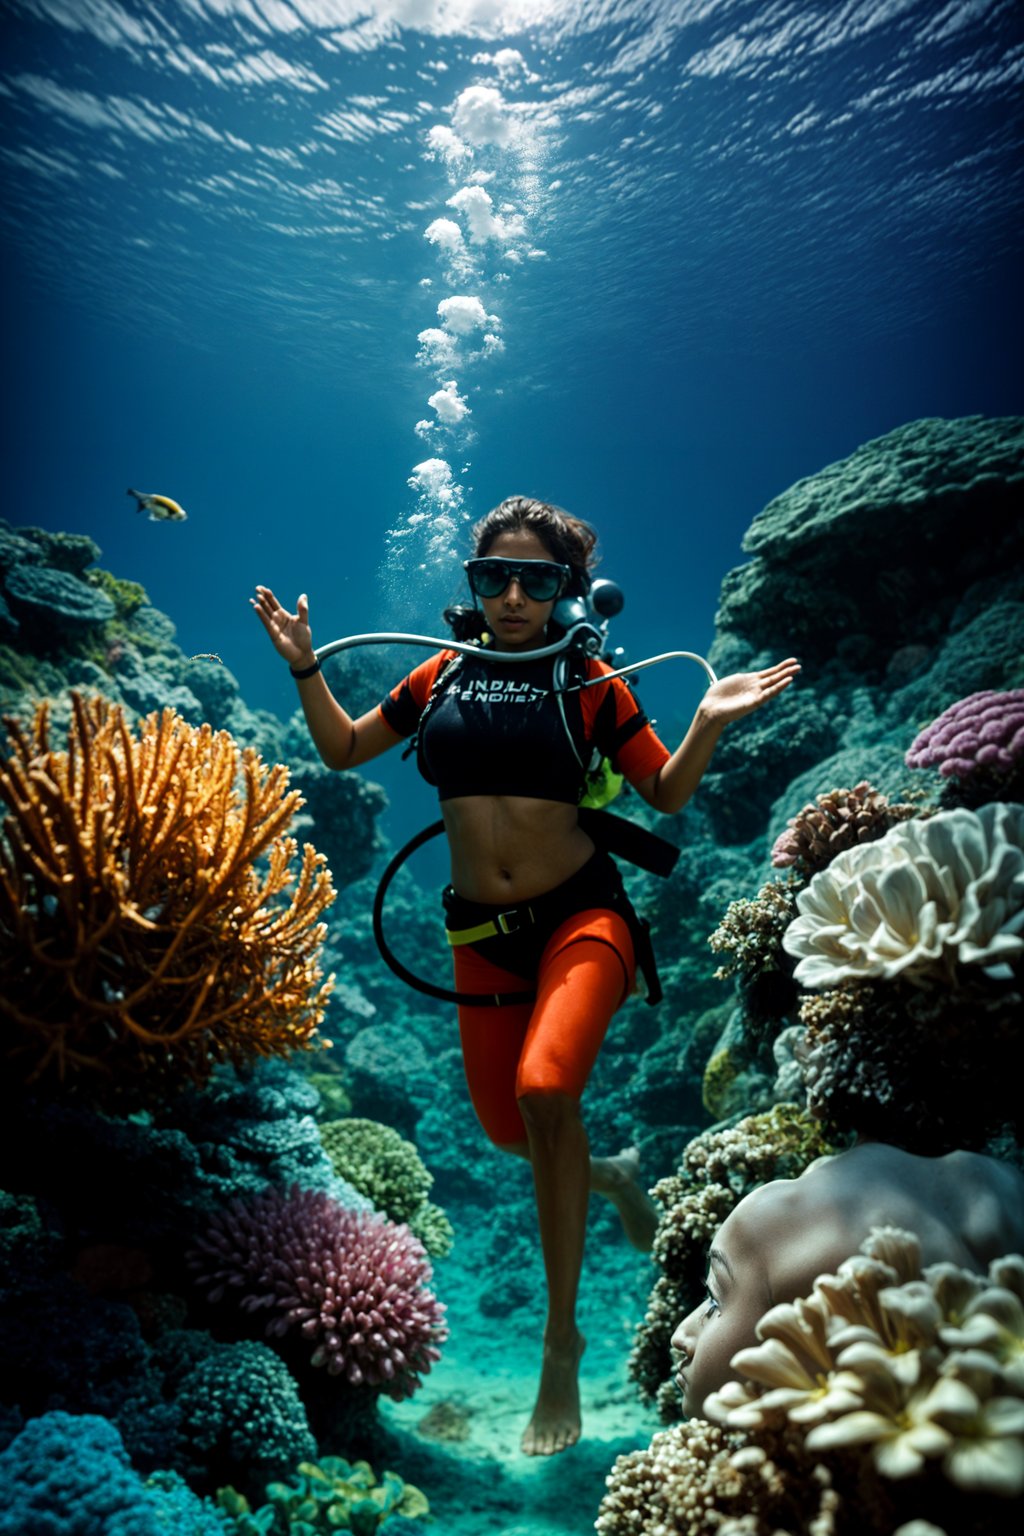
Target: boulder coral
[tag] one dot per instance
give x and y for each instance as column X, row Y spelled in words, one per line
column 141, row 939
column 932, row 897
column 352, row 1282
column 389, row 1171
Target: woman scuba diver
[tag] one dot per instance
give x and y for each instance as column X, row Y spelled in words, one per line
column 531, row 898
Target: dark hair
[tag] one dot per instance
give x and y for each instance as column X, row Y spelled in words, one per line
column 570, row 540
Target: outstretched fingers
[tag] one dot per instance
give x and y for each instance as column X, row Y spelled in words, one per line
column 774, row 679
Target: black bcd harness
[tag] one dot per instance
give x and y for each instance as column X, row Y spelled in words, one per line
column 609, row 832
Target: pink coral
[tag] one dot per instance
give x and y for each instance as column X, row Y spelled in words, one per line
column 984, row 730
column 353, row 1282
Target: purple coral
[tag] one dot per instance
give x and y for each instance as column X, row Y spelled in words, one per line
column 984, row 730
column 354, row 1282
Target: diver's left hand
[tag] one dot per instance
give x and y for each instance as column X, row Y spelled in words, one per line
column 733, row 697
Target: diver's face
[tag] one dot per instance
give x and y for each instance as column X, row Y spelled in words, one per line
column 517, row 622
column 723, row 1323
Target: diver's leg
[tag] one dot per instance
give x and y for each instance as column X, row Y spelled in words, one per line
column 560, row 1158
column 582, row 980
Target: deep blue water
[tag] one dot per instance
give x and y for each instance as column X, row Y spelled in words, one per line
column 727, row 243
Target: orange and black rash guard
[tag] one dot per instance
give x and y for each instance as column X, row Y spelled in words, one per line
column 495, row 728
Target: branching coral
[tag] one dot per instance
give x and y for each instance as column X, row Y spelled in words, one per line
column 930, row 898
column 389, row 1171
column 694, row 1480
column 717, row 1169
column 983, row 733
column 352, row 1282
column 840, row 819
column 139, row 942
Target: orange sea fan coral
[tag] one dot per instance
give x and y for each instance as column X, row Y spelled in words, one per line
column 140, row 939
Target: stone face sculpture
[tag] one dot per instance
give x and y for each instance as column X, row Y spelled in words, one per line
column 931, row 896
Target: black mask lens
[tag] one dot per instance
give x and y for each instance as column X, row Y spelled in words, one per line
column 541, row 580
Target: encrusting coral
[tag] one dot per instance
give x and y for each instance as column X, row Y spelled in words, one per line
column 716, row 1170
column 139, row 941
column 840, row 819
column 932, row 897
column 978, row 743
column 352, row 1282
column 891, row 1399
column 389, row 1171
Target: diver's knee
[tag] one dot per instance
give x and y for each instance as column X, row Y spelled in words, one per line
column 547, row 1112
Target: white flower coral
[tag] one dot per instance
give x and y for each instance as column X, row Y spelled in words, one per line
column 930, row 895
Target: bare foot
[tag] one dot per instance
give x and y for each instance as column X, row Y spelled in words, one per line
column 555, row 1424
column 617, row 1179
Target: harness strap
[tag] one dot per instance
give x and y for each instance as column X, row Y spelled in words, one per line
column 512, row 921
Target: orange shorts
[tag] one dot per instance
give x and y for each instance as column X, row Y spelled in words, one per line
column 585, row 972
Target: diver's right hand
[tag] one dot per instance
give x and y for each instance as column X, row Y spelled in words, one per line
column 290, row 632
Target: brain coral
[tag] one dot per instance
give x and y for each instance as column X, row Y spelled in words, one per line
column 931, row 896
column 983, row 731
column 354, row 1283
column 141, row 938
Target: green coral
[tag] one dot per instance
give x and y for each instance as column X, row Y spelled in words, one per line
column 719, row 1075
column 326, row 1496
column 388, row 1170
column 127, row 596
column 335, row 1103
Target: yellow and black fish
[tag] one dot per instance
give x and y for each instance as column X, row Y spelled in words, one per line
column 160, row 508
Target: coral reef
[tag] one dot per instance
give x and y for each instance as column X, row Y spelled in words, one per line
column 835, row 821
column 716, row 1170
column 241, row 1418
column 326, row 1496
column 139, row 942
column 929, row 1070
column 751, row 932
column 931, row 897
column 352, row 1282
column 978, row 743
column 693, row 1480
column 920, row 1368
column 389, row 1171
column 72, row 1474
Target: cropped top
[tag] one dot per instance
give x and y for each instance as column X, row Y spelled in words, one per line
column 498, row 729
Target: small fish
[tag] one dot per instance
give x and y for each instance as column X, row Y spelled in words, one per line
column 206, row 656
column 160, row 508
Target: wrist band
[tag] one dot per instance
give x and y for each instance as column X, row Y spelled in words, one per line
column 306, row 671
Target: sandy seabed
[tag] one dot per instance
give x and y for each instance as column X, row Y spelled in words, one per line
column 483, row 1485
